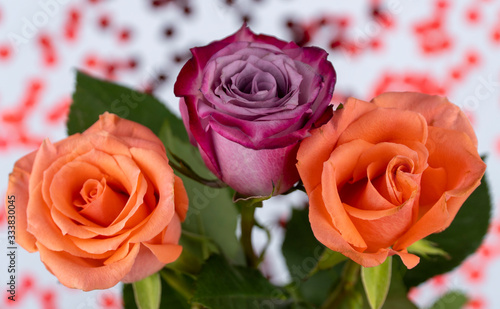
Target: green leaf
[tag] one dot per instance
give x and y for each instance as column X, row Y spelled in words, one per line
column 303, row 253
column 170, row 298
column 376, row 281
column 187, row 263
column 317, row 288
column 451, row 300
column 211, row 214
column 221, row 285
column 462, row 238
column 397, row 297
column 329, row 259
column 178, row 287
column 424, row 248
column 128, row 297
column 93, row 97
column 147, row 292
column 301, row 249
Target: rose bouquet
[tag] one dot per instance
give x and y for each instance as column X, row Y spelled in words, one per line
column 139, row 196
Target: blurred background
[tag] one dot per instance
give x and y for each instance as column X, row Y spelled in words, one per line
column 450, row 48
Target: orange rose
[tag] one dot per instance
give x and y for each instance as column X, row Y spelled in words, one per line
column 101, row 207
column 382, row 175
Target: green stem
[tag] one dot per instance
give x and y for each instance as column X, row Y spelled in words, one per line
column 349, row 278
column 187, row 171
column 247, row 224
column 204, row 247
column 178, row 283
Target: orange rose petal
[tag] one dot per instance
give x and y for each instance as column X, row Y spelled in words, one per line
column 374, row 128
column 336, row 209
column 313, row 151
column 457, row 154
column 118, row 254
column 46, row 231
column 345, row 158
column 363, row 195
column 464, row 169
column 40, row 223
column 438, row 111
column 46, row 155
column 113, row 171
column 86, row 274
column 370, row 214
column 127, row 130
column 65, row 185
column 373, row 161
column 139, row 189
column 100, row 245
column 431, row 222
column 155, row 167
column 181, row 198
column 410, row 260
column 316, row 149
column 56, row 155
column 68, row 219
column 67, row 226
column 145, row 265
column 433, row 184
column 328, row 235
column 377, row 191
column 172, row 232
column 165, row 253
column 105, row 208
column 18, row 187
column 403, row 183
column 380, row 229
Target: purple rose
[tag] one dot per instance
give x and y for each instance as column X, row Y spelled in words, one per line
column 247, row 101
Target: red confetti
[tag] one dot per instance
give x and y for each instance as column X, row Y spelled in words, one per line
column 495, row 36
column 5, row 52
column 476, row 303
column 72, row 25
column 104, row 22
column 60, row 111
column 48, row 50
column 473, row 15
column 91, row 61
column 124, row 35
column 431, row 34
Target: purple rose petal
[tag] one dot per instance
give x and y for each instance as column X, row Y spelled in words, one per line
column 248, row 100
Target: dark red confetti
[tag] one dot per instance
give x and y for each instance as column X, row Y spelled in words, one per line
column 169, row 32
column 104, row 22
column 187, row 10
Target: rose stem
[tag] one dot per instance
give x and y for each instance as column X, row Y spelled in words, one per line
column 247, row 224
column 347, row 282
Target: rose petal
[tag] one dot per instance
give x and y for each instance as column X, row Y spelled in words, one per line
column 410, row 260
column 128, row 131
column 373, row 127
column 155, row 167
column 438, row 111
column 464, row 160
column 267, row 164
column 145, row 265
column 327, row 234
column 317, row 148
column 380, row 229
column 336, row 209
column 181, row 198
column 86, row 274
column 18, row 188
